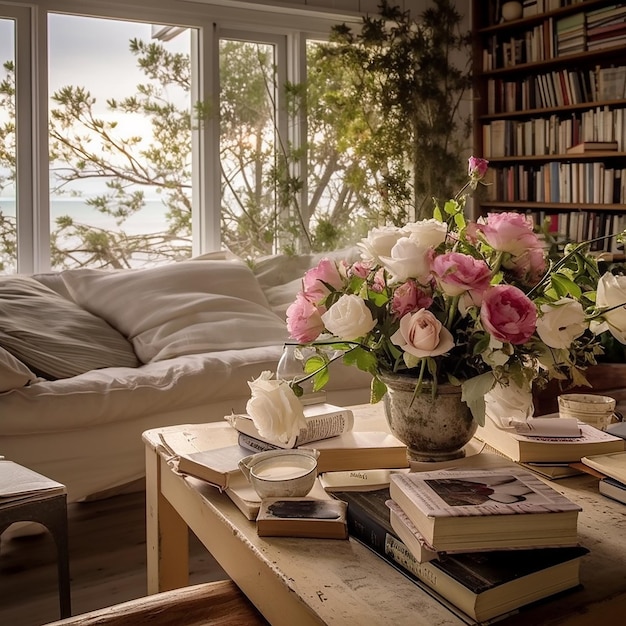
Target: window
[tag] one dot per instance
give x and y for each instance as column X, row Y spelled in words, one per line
column 8, row 155
column 123, row 154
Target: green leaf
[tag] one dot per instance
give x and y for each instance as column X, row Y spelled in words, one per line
column 565, row 286
column 361, row 358
column 377, row 390
column 473, row 394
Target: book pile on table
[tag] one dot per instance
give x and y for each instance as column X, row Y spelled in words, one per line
column 547, row 450
column 204, row 455
column 612, row 474
column 486, row 541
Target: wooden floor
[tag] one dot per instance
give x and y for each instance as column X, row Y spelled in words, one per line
column 107, row 563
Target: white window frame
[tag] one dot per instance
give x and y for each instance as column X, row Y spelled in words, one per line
column 291, row 26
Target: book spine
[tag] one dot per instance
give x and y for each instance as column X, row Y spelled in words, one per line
column 374, row 536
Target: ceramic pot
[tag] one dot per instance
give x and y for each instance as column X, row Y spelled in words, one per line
column 433, row 429
column 511, row 11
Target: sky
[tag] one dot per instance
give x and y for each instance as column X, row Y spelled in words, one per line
column 94, row 53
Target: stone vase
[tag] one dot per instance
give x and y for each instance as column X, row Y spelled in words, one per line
column 433, row 429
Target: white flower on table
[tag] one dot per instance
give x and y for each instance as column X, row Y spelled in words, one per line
column 274, row 408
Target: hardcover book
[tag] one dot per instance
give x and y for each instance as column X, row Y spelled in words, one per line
column 323, row 421
column 354, row 450
column 613, row 489
column 472, row 510
column 302, row 517
column 612, row 465
column 409, row 535
column 215, row 466
column 592, row 146
column 527, row 449
column 483, row 585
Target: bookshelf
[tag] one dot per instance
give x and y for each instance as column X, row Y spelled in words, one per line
column 545, row 83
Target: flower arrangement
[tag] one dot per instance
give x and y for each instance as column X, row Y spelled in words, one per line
column 443, row 300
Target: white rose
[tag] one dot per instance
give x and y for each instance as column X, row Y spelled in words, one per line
column 612, row 293
column 508, row 401
column 422, row 334
column 427, row 233
column 561, row 323
column 349, row 318
column 274, row 408
column 408, row 259
column 379, row 242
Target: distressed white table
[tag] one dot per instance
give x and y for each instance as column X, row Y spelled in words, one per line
column 316, row 581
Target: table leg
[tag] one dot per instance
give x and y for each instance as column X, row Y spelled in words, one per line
column 167, row 534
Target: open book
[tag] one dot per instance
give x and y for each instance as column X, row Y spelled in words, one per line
column 20, row 485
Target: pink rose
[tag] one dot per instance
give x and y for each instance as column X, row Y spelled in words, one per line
column 457, row 273
column 360, row 269
column 379, row 284
column 422, row 334
column 506, row 232
column 314, row 279
column 304, row 321
column 529, row 266
column 508, row 314
column 408, row 297
column 477, row 168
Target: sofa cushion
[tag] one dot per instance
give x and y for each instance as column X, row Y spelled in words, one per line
column 53, row 336
column 182, row 308
column 13, row 373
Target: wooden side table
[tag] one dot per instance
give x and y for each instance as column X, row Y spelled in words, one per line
column 26, row 496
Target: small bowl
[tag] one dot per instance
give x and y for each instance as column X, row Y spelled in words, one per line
column 281, row 473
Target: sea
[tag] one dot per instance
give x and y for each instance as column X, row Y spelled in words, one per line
column 150, row 219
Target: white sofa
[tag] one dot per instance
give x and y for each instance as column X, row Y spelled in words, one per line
column 125, row 351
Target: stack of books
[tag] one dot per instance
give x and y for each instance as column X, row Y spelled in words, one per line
column 612, row 470
column 485, row 541
column 330, row 431
column 549, row 455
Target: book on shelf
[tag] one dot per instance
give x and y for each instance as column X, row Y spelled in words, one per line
column 354, row 450
column 612, row 465
column 592, row 146
column 323, row 421
column 524, row 448
column 302, row 517
column 478, row 586
column 474, row 510
column 21, row 485
column 613, row 489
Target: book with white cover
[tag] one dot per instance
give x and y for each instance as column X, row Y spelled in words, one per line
column 493, row 509
column 323, row 421
column 613, row 489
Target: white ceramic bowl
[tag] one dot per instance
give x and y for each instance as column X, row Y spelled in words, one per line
column 281, row 473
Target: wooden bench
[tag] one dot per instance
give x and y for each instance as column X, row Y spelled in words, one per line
column 218, row 603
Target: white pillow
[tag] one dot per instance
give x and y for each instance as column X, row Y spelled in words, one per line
column 181, row 308
column 13, row 373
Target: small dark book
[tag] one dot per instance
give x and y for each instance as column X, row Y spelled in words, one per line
column 302, row 517
column 482, row 585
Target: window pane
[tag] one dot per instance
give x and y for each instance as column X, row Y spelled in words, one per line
column 8, row 217
column 120, row 143
column 341, row 195
column 248, row 127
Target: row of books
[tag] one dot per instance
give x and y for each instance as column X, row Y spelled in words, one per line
column 555, row 37
column 556, row 135
column 561, row 182
column 584, row 226
column 457, row 534
column 562, row 87
column 533, row 7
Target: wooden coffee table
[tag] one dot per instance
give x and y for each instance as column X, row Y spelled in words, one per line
column 317, row 581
